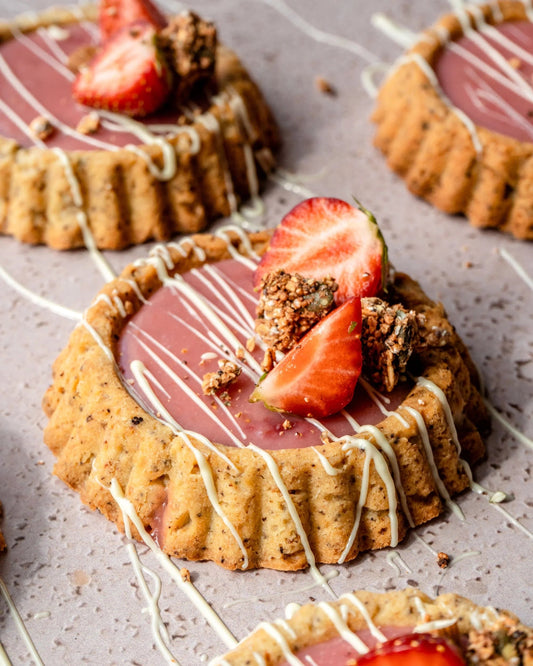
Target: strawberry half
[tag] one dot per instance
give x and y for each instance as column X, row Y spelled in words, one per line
column 318, row 376
column 129, row 74
column 325, row 237
column 116, row 14
column 413, row 650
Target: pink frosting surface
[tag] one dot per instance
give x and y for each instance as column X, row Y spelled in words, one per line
column 172, row 324
column 31, row 87
column 337, row 651
column 477, row 91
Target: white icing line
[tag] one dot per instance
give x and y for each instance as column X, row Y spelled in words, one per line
column 342, row 628
column 441, row 487
column 391, row 558
column 518, row 268
column 166, row 563
column 320, row 35
column 506, row 424
column 355, row 601
column 276, row 476
column 21, row 627
column 101, row 263
column 371, row 455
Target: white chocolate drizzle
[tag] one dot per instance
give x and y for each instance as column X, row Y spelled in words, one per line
column 166, row 563
column 21, row 627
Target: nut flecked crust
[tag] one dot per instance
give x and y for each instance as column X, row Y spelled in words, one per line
column 428, row 145
column 404, row 608
column 124, row 203
column 99, row 432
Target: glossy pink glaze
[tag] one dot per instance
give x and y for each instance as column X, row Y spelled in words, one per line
column 482, row 98
column 336, row 652
column 259, row 425
column 53, row 90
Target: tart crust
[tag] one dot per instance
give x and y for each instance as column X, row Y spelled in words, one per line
column 99, row 432
column 124, row 203
column 405, row 608
column 430, row 147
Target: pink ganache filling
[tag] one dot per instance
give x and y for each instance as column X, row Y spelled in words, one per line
column 32, row 87
column 337, row 651
column 482, row 88
column 171, row 336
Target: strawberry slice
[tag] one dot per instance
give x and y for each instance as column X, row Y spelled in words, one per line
column 325, row 237
column 115, row 14
column 318, row 376
column 413, row 650
column 129, row 74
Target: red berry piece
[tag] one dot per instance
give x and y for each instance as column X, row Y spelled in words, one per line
column 325, row 237
column 318, row 376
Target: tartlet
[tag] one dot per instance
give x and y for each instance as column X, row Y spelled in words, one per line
column 481, row 635
column 455, row 163
column 243, row 506
column 52, row 190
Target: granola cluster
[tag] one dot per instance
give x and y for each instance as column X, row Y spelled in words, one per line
column 289, row 306
column 389, row 334
column 507, row 643
column 227, row 373
column 190, row 45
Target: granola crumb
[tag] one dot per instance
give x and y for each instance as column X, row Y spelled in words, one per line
column 286, row 425
column 389, row 333
column 324, row 86
column 268, row 360
column 190, row 44
column 507, row 642
column 515, row 62
column 89, row 124
column 41, row 127
column 239, row 353
column 227, row 373
column 443, row 560
column 185, row 575
column 290, row 305
column 250, row 344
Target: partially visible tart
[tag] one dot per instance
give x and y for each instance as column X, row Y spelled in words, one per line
column 455, row 116
column 134, row 412
column 365, row 625
column 130, row 180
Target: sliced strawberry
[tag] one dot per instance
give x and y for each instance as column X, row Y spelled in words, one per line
column 324, row 237
column 115, row 14
column 413, row 650
column 129, row 74
column 318, row 376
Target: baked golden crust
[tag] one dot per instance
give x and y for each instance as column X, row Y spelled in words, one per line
column 432, row 149
column 405, row 608
column 124, row 202
column 99, row 432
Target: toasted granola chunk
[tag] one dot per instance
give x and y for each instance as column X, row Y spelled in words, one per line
column 389, row 334
column 290, row 305
column 227, row 373
column 506, row 643
column 190, row 46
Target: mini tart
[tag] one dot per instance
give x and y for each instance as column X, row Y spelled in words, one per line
column 312, row 624
column 99, row 432
column 432, row 148
column 117, row 192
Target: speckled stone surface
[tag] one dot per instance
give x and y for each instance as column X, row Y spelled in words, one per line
column 68, row 569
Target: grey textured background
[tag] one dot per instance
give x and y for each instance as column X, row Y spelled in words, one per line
column 67, row 568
